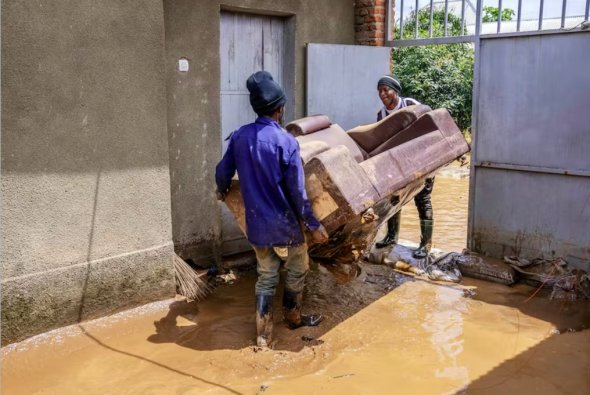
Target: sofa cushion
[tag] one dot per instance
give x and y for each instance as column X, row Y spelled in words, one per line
column 333, row 136
column 370, row 136
column 399, row 166
column 439, row 119
column 308, row 125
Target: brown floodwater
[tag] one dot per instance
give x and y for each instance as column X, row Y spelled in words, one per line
column 383, row 333
column 450, row 197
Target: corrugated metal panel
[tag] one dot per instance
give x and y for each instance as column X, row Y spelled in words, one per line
column 532, row 132
column 342, row 82
column 532, row 214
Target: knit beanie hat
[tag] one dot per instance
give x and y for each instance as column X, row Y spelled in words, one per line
column 265, row 93
column 391, row 82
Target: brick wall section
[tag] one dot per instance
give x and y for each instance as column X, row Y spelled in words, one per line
column 369, row 22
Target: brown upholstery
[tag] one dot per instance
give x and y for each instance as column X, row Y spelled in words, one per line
column 333, row 136
column 398, row 166
column 309, row 149
column 439, row 119
column 370, row 136
column 342, row 186
column 337, row 187
column 308, row 125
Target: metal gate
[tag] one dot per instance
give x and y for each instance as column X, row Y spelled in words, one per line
column 530, row 192
column 530, row 174
column 342, row 82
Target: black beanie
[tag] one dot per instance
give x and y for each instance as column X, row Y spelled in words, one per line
column 391, row 82
column 266, row 94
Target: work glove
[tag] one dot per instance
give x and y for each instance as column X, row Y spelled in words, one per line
column 320, row 235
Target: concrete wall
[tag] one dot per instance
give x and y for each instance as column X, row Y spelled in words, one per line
column 93, row 112
column 86, row 223
column 192, row 32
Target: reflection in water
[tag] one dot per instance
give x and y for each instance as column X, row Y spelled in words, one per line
column 445, row 324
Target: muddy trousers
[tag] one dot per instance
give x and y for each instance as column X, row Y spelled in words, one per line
column 268, row 264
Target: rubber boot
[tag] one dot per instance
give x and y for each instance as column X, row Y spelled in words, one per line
column 426, row 226
column 392, row 231
column 263, row 320
column 292, row 310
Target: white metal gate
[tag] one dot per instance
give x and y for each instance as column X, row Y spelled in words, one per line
column 530, row 193
column 530, row 174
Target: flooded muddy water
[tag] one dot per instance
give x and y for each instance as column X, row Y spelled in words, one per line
column 450, row 197
column 383, row 333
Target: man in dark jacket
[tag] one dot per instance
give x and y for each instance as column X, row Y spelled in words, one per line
column 269, row 167
column 389, row 89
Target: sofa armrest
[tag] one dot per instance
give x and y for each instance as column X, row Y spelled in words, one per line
column 337, row 187
column 308, row 125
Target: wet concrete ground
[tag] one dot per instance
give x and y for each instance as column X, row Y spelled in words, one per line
column 383, row 333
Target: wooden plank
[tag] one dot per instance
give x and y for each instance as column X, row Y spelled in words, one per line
column 235, row 112
column 273, row 48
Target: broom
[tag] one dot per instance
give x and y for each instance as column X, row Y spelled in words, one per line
column 189, row 282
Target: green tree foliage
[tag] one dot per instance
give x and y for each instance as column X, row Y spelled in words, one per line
column 437, row 75
column 490, row 14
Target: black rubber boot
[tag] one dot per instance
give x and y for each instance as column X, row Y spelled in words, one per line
column 392, row 231
column 292, row 310
column 426, row 226
column 263, row 320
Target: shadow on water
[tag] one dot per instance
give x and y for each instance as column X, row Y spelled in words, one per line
column 557, row 365
column 100, row 343
column 563, row 314
column 226, row 319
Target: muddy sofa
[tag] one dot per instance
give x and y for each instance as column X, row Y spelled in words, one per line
column 349, row 172
column 352, row 176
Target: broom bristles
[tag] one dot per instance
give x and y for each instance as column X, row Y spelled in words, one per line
column 189, row 283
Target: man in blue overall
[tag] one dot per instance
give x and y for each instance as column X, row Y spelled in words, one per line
column 389, row 90
column 269, row 167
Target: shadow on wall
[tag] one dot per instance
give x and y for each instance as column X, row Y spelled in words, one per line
column 86, row 97
column 79, row 146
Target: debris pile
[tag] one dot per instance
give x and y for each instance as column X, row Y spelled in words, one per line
column 566, row 283
column 399, row 257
